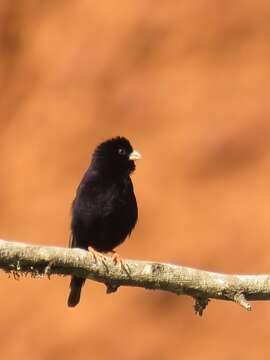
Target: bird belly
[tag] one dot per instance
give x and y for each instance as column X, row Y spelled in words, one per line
column 111, row 232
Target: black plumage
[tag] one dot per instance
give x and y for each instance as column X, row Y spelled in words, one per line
column 104, row 211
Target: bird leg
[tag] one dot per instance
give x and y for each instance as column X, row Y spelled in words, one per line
column 116, row 258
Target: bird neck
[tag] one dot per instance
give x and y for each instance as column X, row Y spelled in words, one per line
column 108, row 173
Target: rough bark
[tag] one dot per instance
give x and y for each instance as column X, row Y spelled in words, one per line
column 18, row 259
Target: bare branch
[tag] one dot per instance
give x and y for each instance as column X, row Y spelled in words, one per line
column 18, row 258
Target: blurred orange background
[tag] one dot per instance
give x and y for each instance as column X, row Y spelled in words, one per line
column 188, row 83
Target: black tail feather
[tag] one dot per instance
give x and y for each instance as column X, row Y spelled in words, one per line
column 75, row 291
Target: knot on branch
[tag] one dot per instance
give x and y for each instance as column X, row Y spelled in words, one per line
column 239, row 298
column 111, row 288
column 200, row 305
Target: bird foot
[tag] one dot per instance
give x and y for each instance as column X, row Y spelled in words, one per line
column 97, row 256
column 116, row 258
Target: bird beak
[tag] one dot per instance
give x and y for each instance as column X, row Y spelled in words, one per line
column 135, row 155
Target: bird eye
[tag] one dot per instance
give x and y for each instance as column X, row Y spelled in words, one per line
column 121, row 151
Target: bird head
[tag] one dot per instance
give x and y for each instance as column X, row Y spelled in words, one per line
column 115, row 157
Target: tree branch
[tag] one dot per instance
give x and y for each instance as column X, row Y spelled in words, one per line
column 18, row 258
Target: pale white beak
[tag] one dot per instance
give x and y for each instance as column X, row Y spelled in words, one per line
column 135, row 155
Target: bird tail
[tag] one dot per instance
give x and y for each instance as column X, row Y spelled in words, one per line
column 76, row 283
column 75, row 291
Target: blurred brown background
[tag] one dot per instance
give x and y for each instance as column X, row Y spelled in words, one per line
column 188, row 83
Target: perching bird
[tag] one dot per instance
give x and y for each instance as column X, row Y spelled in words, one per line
column 104, row 211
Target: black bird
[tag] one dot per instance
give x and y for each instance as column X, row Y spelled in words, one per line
column 104, row 211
